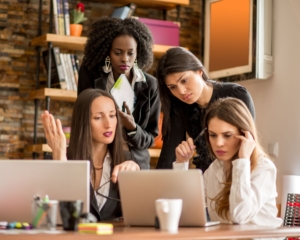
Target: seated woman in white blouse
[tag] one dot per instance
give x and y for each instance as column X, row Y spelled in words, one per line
column 240, row 185
column 96, row 136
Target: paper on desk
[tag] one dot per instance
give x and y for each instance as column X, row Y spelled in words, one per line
column 123, row 92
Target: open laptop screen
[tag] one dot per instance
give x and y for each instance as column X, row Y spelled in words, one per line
column 20, row 180
column 139, row 190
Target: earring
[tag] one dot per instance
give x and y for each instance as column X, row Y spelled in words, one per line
column 107, row 65
column 135, row 63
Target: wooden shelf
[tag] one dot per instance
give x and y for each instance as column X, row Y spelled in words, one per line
column 54, row 93
column 154, row 153
column 38, row 148
column 77, row 43
column 159, row 50
column 67, row 42
column 161, row 4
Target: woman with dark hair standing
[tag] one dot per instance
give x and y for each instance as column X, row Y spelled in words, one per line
column 186, row 92
column 116, row 47
column 96, row 136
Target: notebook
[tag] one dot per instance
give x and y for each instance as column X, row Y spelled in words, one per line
column 140, row 189
column 123, row 92
column 20, row 180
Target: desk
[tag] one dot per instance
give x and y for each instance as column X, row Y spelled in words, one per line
column 222, row 231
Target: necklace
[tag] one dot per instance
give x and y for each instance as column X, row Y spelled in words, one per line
column 98, row 168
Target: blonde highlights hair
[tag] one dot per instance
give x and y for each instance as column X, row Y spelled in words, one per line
column 236, row 113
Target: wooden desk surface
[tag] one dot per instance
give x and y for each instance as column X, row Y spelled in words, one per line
column 214, row 232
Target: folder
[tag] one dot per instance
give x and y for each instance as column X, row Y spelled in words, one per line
column 123, row 92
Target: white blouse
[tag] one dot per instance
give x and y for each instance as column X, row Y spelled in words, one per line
column 252, row 198
column 104, row 178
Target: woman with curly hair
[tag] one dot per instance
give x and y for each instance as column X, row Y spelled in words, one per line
column 240, row 185
column 116, row 47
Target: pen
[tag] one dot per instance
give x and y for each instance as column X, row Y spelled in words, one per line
column 198, row 138
column 200, row 135
column 40, row 211
column 123, row 107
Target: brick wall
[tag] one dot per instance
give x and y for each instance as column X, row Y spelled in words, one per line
column 18, row 25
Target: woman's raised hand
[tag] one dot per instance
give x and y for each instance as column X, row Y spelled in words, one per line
column 128, row 165
column 247, row 145
column 185, row 150
column 127, row 118
column 55, row 136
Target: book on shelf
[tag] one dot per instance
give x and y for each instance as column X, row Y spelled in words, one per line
column 66, row 17
column 58, row 77
column 77, row 64
column 60, row 16
column 55, row 17
column 124, row 12
column 75, row 70
column 63, row 63
column 71, row 71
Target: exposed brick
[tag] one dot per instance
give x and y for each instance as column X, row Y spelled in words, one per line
column 18, row 25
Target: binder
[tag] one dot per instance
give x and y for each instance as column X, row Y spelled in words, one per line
column 123, row 92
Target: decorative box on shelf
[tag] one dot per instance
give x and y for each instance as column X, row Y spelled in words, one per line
column 163, row 32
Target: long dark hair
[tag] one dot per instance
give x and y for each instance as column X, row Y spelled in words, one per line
column 103, row 31
column 80, row 146
column 175, row 60
column 236, row 113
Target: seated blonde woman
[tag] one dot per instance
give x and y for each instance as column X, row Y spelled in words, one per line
column 240, row 185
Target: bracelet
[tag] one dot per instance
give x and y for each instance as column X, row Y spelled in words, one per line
column 131, row 133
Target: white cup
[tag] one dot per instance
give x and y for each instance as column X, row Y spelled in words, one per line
column 168, row 212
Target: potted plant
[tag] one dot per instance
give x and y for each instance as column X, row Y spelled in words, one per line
column 76, row 18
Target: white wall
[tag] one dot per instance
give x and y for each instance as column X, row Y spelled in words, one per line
column 277, row 100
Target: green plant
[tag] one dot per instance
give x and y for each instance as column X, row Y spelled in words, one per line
column 77, row 15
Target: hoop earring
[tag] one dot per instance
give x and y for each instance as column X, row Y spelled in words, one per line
column 107, row 65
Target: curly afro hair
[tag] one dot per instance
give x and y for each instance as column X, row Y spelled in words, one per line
column 103, row 31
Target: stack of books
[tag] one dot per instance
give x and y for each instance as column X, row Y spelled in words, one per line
column 61, row 17
column 64, row 69
column 96, row 228
column 292, row 212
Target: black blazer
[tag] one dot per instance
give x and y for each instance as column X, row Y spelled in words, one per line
column 146, row 111
column 111, row 208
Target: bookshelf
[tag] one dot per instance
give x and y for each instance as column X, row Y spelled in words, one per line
column 54, row 94
column 77, row 43
column 161, row 4
column 50, row 40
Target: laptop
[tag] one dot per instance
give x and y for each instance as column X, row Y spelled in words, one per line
column 20, row 180
column 140, row 189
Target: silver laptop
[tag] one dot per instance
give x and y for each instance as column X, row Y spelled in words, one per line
column 140, row 189
column 20, row 180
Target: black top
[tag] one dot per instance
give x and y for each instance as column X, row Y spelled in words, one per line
column 188, row 119
column 146, row 111
column 111, row 209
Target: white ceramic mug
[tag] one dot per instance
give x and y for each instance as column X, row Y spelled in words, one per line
column 168, row 212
